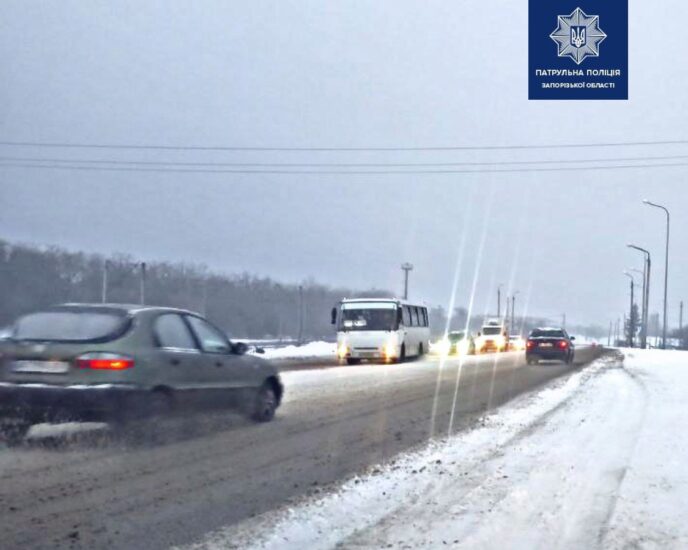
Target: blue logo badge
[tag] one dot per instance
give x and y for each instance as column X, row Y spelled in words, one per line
column 578, row 49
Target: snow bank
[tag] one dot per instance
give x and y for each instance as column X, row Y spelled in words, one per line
column 326, row 350
column 595, row 460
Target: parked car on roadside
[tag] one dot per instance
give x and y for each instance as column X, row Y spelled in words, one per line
column 119, row 363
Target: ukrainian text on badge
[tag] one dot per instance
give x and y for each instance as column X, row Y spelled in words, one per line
column 578, row 49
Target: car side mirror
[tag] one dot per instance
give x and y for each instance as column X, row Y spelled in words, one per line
column 572, row 338
column 334, row 315
column 239, row 348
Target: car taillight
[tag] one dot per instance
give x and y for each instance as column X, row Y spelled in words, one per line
column 563, row 344
column 104, row 361
column 530, row 344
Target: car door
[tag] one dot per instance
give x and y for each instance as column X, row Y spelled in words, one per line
column 178, row 359
column 229, row 373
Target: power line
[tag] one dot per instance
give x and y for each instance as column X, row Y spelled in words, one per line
column 334, row 149
column 337, row 172
column 134, row 163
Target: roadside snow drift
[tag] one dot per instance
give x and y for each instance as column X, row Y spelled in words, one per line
column 325, row 350
column 596, row 460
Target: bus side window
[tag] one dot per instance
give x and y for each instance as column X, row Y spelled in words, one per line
column 407, row 316
column 416, row 321
column 425, row 317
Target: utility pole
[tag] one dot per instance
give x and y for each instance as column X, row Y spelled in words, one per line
column 666, row 268
column 631, row 320
column 681, row 339
column 645, row 318
column 609, row 337
column 300, row 339
column 513, row 312
column 499, row 301
column 106, row 267
column 406, row 267
column 143, row 283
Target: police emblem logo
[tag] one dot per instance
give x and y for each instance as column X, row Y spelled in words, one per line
column 578, row 36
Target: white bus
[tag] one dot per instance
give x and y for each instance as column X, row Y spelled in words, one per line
column 380, row 329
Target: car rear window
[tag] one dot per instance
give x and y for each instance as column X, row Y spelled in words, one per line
column 69, row 326
column 547, row 334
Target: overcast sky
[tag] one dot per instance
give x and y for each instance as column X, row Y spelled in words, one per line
column 343, row 74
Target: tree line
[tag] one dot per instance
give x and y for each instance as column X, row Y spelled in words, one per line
column 244, row 305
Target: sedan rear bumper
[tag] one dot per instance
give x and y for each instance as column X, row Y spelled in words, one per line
column 549, row 355
column 44, row 402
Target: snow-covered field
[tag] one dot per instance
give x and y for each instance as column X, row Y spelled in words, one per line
column 596, row 460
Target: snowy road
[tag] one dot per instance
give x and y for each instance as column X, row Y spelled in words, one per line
column 216, row 471
column 596, row 460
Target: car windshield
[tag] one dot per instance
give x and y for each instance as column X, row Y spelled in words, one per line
column 547, row 334
column 68, row 326
column 491, row 331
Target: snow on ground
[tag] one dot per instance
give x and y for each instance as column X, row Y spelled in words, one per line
column 594, row 460
column 325, row 350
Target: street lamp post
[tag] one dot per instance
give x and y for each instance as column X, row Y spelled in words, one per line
column 406, row 267
column 631, row 324
column 646, row 293
column 666, row 267
column 499, row 301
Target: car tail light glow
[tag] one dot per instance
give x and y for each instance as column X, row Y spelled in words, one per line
column 104, row 361
column 563, row 344
column 530, row 344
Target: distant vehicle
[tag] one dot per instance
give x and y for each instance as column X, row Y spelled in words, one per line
column 380, row 329
column 117, row 363
column 462, row 343
column 492, row 337
column 455, row 343
column 549, row 344
column 517, row 342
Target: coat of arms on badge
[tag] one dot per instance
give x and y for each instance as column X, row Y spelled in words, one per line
column 578, row 36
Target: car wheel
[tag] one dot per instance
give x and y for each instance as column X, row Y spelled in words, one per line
column 14, row 431
column 265, row 404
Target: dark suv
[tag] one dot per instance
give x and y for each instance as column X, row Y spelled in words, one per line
column 549, row 344
column 118, row 363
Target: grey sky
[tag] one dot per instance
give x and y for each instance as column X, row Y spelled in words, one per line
column 340, row 74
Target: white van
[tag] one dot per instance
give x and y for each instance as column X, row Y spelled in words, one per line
column 380, row 329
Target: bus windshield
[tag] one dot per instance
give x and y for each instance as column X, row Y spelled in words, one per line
column 368, row 318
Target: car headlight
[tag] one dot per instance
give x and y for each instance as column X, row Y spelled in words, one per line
column 462, row 346
column 443, row 347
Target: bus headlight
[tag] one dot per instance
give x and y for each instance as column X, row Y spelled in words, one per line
column 342, row 350
column 390, row 348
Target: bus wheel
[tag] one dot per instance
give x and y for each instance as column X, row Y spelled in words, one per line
column 420, row 350
column 402, row 355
